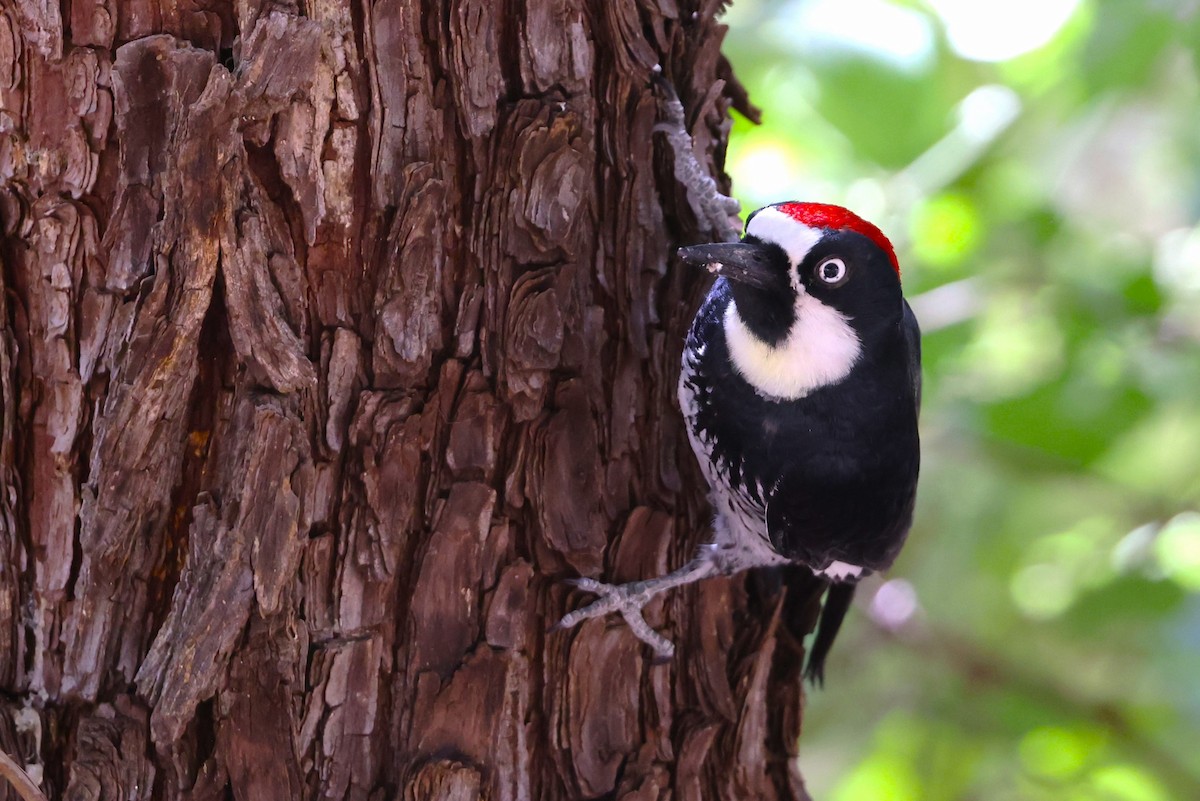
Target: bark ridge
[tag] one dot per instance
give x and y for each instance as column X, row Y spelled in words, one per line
column 333, row 338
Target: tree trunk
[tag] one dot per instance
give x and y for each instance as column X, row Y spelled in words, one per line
column 333, row 341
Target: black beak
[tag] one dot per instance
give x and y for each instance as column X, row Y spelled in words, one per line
column 744, row 262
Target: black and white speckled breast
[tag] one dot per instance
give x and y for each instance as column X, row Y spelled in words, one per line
column 738, row 499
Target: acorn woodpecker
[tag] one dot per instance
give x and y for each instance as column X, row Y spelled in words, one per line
column 800, row 387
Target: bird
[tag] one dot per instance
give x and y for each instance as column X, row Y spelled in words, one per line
column 800, row 387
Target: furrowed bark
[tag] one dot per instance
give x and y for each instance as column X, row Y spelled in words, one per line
column 331, row 343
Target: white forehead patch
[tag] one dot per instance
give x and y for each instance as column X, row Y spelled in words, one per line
column 821, row 349
column 796, row 239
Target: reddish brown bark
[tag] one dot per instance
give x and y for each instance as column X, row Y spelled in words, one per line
column 333, row 339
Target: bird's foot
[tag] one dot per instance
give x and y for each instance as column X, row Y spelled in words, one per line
column 713, row 210
column 628, row 599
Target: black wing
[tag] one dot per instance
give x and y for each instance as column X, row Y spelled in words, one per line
column 912, row 335
column 800, row 513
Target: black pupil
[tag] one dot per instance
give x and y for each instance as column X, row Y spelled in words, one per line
column 830, row 271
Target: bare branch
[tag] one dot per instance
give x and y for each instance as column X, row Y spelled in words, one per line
column 19, row 779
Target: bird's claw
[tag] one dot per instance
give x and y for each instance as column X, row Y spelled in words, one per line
column 628, row 599
column 590, row 585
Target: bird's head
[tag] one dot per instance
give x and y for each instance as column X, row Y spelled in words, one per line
column 813, row 286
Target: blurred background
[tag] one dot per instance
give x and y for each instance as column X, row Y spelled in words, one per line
column 1037, row 164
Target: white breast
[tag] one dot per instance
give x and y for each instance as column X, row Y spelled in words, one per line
column 820, row 350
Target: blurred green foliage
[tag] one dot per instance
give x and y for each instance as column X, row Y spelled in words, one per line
column 1037, row 163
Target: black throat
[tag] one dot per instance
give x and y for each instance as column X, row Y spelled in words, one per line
column 768, row 314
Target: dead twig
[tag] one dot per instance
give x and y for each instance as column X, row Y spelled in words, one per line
column 18, row 778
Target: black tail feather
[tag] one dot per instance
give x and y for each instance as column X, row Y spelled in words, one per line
column 837, row 602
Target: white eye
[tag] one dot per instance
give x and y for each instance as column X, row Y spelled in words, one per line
column 831, row 271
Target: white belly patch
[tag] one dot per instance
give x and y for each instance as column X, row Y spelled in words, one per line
column 840, row 571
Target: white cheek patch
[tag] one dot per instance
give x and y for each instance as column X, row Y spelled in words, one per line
column 796, row 239
column 820, row 349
